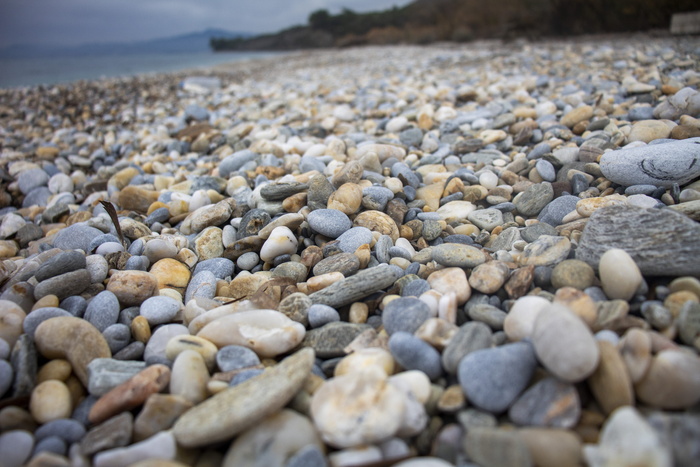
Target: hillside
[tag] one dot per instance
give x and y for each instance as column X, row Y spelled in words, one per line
column 426, row 21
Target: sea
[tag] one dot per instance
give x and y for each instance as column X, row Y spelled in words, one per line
column 19, row 72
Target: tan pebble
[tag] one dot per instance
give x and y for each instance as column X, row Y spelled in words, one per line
column 579, row 114
column 437, row 332
column 347, row 198
column 688, row 283
column 205, row 348
column 466, row 229
column 358, row 313
column 8, row 248
column 573, row 273
column 452, row 400
column 431, row 194
column 155, row 205
column 58, row 369
column 171, row 273
column 579, row 302
column 189, row 377
column 74, row 339
column 215, row 386
column 50, row 401
column 133, row 287
column 140, row 329
column 635, row 349
column 588, row 206
column 649, row 130
column 131, row 393
column 610, row 383
column 317, row 283
column 294, row 203
column 489, row 277
column 363, row 253
column 245, row 285
column 46, row 301
column 11, row 321
column 377, row 221
column 550, row 447
column 675, row 301
column 451, row 280
column 363, row 358
column 76, row 389
column 137, row 199
column 208, row 244
column 672, row 381
column 619, row 274
column 122, row 178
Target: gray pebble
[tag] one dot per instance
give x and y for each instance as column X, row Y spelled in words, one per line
column 352, row 239
column 329, row 222
column 248, row 261
column 71, row 431
column 38, row 316
column 493, row 378
column 133, row 351
column 159, row 309
column 4, row 349
column 220, row 267
column 320, row 315
column 76, row 237
column 546, row 170
column 533, row 232
column 202, row 285
column 415, row 288
column 6, row 376
column 31, row 179
column 382, row 248
column 413, row 353
column 103, row 310
column 555, row 211
column 15, row 447
column 533, row 200
column 245, row 375
column 37, row 197
column 117, row 337
column 404, row 314
column 137, row 263
column 52, row 444
column 64, row 262
column 470, row 337
column 75, row 305
column 64, row 285
column 97, row 267
column 104, row 374
column 155, row 349
column 235, row 357
column 376, row 197
column 486, row 219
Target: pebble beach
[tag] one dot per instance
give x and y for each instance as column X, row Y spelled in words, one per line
column 482, row 254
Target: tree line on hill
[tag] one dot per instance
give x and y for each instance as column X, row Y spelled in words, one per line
column 426, row 21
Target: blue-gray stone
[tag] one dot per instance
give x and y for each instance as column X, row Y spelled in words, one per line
column 137, row 263
column 75, row 305
column 158, row 215
column 411, row 137
column 641, row 190
column 235, row 357
column 578, row 184
column 52, row 444
column 382, row 248
column 329, row 222
column 103, row 310
column 554, row 212
column 319, row 315
column 413, row 353
column 640, row 113
column 117, row 336
column 404, row 314
column 309, row 163
column 493, row 378
column 131, row 352
column 38, row 316
column 404, row 172
column 71, row 431
column 76, row 237
column 137, row 247
column 31, row 179
column 65, row 261
column 352, row 239
column 220, row 267
column 546, row 170
column 376, row 197
column 202, row 285
column 39, row 196
column 6, row 376
column 534, row 199
column 127, row 315
column 660, row 165
column 308, row 456
column 248, row 261
column 196, row 112
column 415, row 288
column 235, row 161
column 459, row 238
column 539, row 150
column 245, row 375
column 159, row 309
column 397, row 251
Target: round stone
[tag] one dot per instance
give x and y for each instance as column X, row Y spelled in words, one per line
column 160, row 310
column 329, row 222
column 404, row 314
column 234, row 357
column 50, row 400
column 320, row 315
column 413, row 353
column 573, row 273
column 103, row 310
column 619, row 274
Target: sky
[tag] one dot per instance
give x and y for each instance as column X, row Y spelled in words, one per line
column 73, row 22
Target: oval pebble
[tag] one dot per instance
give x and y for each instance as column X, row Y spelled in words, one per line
column 413, row 353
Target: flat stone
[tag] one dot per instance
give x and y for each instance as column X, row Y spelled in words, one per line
column 345, row 263
column 492, row 378
column 487, row 219
column 491, row 446
column 65, row 261
column 547, row 403
column 64, row 285
column 106, row 373
column 159, row 413
column 658, row 164
column 669, row 239
column 458, row 255
column 161, row 446
column 531, row 202
column 112, row 433
column 355, row 288
column 470, row 337
column 546, row 251
column 330, row 340
column 237, row 408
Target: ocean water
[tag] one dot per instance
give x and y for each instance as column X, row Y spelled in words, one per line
column 15, row 72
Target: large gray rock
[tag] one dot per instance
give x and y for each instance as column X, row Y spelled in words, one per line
column 655, row 164
column 661, row 241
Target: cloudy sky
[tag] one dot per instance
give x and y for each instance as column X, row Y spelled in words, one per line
column 70, row 22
